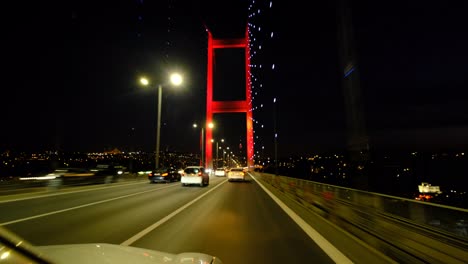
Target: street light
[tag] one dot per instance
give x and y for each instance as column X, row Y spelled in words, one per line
column 175, row 79
column 275, row 117
column 202, row 139
column 201, row 144
column 217, row 148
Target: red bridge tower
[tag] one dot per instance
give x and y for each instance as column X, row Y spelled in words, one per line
column 242, row 106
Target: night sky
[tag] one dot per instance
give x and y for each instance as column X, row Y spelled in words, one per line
column 74, row 86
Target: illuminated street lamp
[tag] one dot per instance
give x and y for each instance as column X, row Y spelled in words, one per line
column 201, row 144
column 210, row 126
column 175, row 79
column 217, row 148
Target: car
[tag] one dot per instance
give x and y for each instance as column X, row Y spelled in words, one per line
column 77, row 176
column 110, row 173
column 236, row 174
column 220, row 172
column 14, row 249
column 195, row 175
column 166, row 174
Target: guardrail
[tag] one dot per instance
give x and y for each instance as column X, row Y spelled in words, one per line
column 406, row 230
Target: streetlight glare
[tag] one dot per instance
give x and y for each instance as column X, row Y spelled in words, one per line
column 194, row 125
column 176, row 79
column 144, row 81
column 210, row 125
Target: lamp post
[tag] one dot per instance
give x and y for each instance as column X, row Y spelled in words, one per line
column 224, row 158
column 212, row 141
column 176, row 79
column 202, row 135
column 158, row 128
column 275, row 128
column 217, row 148
column 202, row 139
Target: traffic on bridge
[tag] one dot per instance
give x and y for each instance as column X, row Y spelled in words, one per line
column 260, row 219
column 247, row 131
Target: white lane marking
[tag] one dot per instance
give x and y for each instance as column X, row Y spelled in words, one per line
column 326, row 246
column 81, row 206
column 65, row 192
column 150, row 228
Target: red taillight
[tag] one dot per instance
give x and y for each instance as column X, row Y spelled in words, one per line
column 199, row 173
column 151, row 174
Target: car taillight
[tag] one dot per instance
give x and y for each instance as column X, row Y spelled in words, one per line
column 183, row 174
column 164, row 174
column 199, row 174
column 151, row 174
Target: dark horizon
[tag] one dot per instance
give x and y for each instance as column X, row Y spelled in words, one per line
column 412, row 65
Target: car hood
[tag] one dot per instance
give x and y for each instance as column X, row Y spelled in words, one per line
column 116, row 254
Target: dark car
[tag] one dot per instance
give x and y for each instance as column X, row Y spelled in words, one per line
column 166, row 174
column 109, row 173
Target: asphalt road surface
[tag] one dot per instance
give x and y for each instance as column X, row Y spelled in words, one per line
column 235, row 221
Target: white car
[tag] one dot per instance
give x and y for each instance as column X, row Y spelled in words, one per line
column 220, row 172
column 14, row 249
column 195, row 175
column 236, row 174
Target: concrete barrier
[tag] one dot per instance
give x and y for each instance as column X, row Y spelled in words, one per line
column 406, row 230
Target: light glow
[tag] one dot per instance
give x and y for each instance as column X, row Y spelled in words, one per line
column 5, row 255
column 47, row 177
column 176, row 79
column 144, row 81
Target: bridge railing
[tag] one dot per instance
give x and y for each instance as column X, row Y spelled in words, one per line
column 408, row 230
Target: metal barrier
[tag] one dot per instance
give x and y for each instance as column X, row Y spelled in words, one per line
column 406, row 230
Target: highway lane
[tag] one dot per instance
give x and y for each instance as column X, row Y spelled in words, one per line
column 238, row 222
column 67, row 198
column 107, row 215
